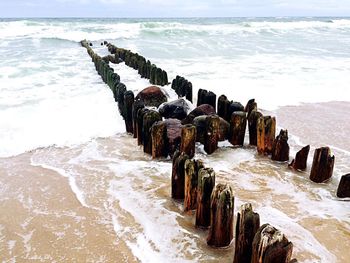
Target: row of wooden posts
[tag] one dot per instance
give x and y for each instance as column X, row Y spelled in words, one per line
column 193, row 182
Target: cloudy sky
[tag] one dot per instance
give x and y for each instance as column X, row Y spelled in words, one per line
column 172, row 8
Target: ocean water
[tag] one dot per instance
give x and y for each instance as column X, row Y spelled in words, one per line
column 75, row 187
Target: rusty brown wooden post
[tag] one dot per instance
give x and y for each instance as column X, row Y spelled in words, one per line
column 149, row 119
column 221, row 216
column 280, row 148
column 178, row 175
column 300, row 161
column 266, row 129
column 344, row 186
column 212, row 133
column 237, row 128
column 159, row 140
column 188, row 140
column 247, row 224
column 191, row 182
column 252, row 125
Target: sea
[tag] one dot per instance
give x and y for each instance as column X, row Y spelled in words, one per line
column 75, row 187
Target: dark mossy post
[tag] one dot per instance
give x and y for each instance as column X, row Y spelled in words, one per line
column 191, row 182
column 251, row 105
column 159, row 140
column 138, row 104
column 247, row 224
column 252, row 126
column 266, row 130
column 322, row 165
column 189, row 92
column 159, row 77
column 165, row 78
column 201, row 96
column 149, row 119
column 210, row 98
column 178, row 175
column 280, row 147
column 188, row 140
column 237, row 128
column 344, row 186
column 223, row 105
column 152, row 79
column 300, row 161
column 140, row 114
column 206, row 183
column 221, row 216
column 271, row 246
column 212, row 133
column 128, row 104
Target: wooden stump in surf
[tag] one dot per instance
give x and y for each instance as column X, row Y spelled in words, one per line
column 322, row 165
column 159, row 140
column 140, row 114
column 138, row 105
column 188, row 140
column 266, row 130
column 271, row 246
column 192, row 168
column 280, row 148
column 247, row 224
column 206, row 183
column 237, row 128
column 251, row 105
column 149, row 119
column 128, row 105
column 212, row 133
column 178, row 175
column 221, row 216
column 344, row 186
column 252, row 126
column 300, row 161
column 223, row 105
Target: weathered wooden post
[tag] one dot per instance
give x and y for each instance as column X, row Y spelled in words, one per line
column 300, row 161
column 159, row 140
column 148, row 120
column 247, row 224
column 251, row 105
column 201, row 96
column 237, row 128
column 178, row 175
column 189, row 92
column 271, row 246
column 128, row 104
column 140, row 114
column 212, row 133
column 188, row 140
column 223, row 105
column 221, row 216
column 266, row 129
column 165, row 78
column 210, row 98
column 322, row 165
column 191, row 182
column 280, row 147
column 252, row 125
column 206, row 183
column 138, row 104
column 344, row 186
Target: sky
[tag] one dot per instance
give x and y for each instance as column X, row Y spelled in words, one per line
column 173, row 8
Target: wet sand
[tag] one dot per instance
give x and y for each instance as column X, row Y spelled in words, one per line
column 106, row 201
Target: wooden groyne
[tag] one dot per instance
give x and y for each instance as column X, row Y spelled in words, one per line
column 168, row 129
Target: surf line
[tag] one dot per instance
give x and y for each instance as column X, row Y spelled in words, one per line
column 212, row 121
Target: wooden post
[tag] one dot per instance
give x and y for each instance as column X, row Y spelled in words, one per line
column 191, row 182
column 178, row 175
column 271, row 246
column 221, row 216
column 251, row 105
column 159, row 140
column 252, row 125
column 128, row 104
column 237, row 128
column 148, row 120
column 138, row 104
column 280, row 148
column 247, row 224
column 344, row 186
column 300, row 161
column 140, row 114
column 201, row 96
column 189, row 92
column 212, row 133
column 322, row 165
column 206, row 183
column 188, row 140
column 266, row 129
column 223, row 106
column 210, row 98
